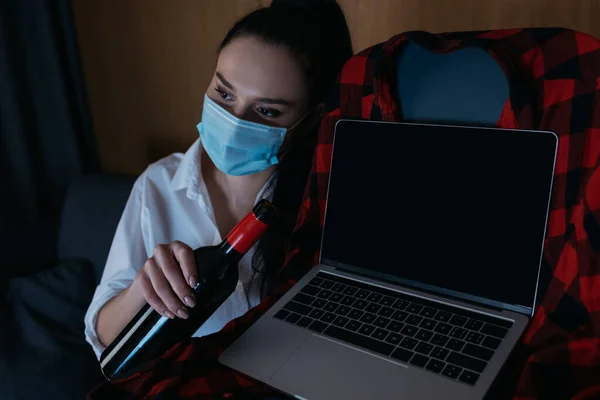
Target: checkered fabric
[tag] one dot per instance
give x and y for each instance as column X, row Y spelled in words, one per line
column 554, row 78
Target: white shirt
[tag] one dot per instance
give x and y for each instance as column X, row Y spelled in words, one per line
column 169, row 201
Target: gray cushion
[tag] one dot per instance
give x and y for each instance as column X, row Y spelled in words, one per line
column 92, row 210
column 43, row 352
column 18, row 257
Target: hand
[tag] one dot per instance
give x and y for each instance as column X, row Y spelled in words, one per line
column 167, row 279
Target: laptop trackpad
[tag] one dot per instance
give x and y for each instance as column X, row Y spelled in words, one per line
column 321, row 368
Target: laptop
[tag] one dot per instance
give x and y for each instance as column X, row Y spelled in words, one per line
column 429, row 266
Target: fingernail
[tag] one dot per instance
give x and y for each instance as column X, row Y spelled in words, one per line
column 193, row 281
column 169, row 314
column 182, row 313
column 190, row 300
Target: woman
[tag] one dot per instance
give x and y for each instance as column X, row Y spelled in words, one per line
column 274, row 70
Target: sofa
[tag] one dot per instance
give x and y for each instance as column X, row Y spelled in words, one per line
column 43, row 352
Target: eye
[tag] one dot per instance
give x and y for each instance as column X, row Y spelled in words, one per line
column 223, row 94
column 268, row 112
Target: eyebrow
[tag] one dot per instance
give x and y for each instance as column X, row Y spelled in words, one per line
column 264, row 100
column 275, row 101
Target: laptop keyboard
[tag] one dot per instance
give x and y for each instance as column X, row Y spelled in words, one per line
column 445, row 340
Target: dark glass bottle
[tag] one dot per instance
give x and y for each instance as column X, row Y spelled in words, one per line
column 149, row 335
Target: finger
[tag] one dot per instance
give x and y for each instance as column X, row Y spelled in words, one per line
column 151, row 297
column 163, row 289
column 172, row 271
column 185, row 256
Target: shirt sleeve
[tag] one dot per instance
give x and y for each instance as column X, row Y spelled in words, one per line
column 127, row 255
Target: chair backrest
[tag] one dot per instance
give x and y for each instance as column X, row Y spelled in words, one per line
column 463, row 87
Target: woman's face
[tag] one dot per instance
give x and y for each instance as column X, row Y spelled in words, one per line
column 259, row 82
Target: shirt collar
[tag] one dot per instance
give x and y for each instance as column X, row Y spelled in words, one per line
column 383, row 58
column 189, row 175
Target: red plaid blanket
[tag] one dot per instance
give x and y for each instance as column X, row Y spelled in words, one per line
column 554, row 78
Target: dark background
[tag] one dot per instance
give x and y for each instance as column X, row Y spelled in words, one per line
column 46, row 137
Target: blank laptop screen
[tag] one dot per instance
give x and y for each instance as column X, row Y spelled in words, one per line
column 458, row 209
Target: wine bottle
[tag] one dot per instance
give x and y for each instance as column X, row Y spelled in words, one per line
column 149, row 334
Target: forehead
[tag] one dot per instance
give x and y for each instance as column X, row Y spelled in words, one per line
column 262, row 70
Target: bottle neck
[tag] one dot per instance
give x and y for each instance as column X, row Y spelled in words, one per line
column 243, row 236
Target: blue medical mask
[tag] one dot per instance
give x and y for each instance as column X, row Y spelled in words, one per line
column 236, row 146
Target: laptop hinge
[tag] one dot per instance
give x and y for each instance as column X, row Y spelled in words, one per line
column 427, row 289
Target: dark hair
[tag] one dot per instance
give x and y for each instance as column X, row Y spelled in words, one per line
column 316, row 33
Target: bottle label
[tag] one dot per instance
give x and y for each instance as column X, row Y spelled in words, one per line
column 246, row 233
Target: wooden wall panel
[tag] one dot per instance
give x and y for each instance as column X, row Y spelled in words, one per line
column 373, row 21
column 147, row 62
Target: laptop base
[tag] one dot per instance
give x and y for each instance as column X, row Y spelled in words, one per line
column 307, row 364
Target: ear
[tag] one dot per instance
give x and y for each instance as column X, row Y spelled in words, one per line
column 303, row 130
column 321, row 109
column 315, row 117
